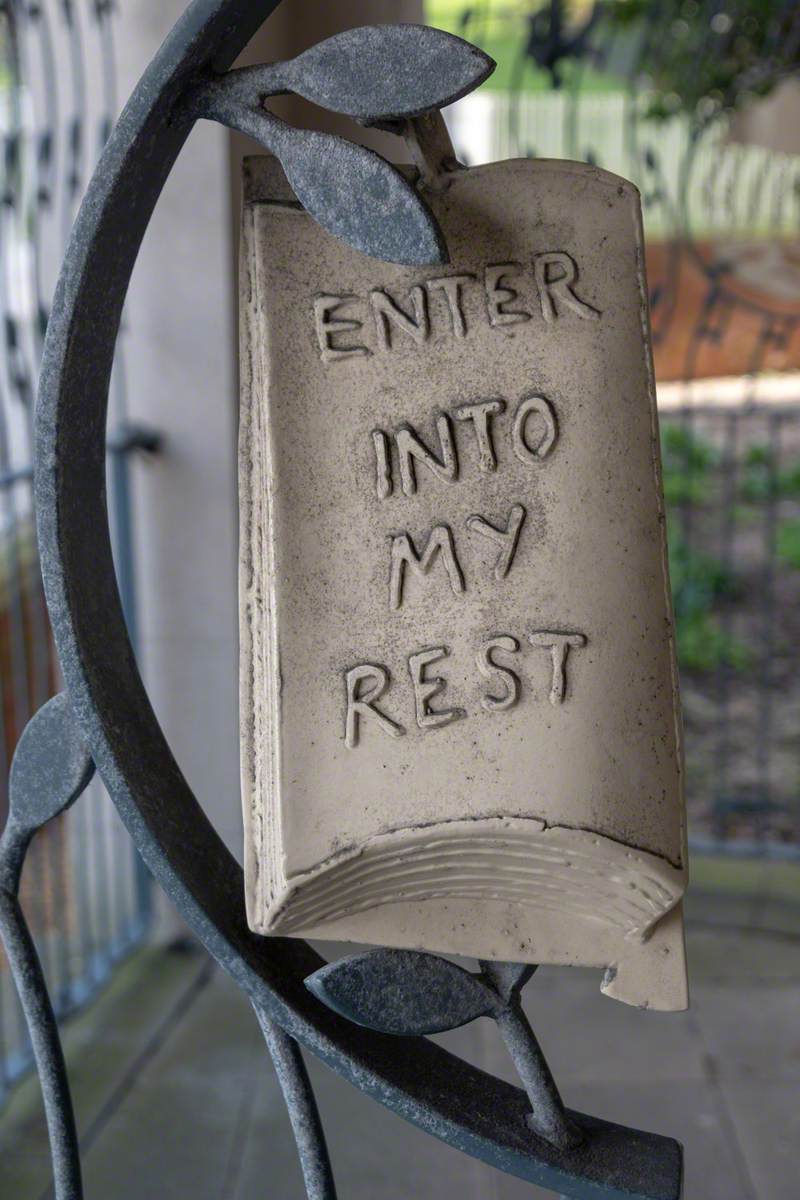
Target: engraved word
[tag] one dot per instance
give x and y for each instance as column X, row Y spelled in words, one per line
column 534, row 431
column 368, row 683
column 441, row 548
column 452, row 303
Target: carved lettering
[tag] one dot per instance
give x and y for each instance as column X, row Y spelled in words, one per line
column 410, row 447
column 522, row 448
column 451, row 285
column 440, row 544
column 557, row 286
column 388, row 312
column 368, row 682
column 479, row 414
column 559, row 645
column 489, row 669
column 553, row 274
column 499, row 295
column 361, row 702
column 426, row 688
column 506, row 539
column 383, row 466
column 327, row 324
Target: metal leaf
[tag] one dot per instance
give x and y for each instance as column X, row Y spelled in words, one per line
column 507, row 978
column 402, row 991
column 51, row 766
column 358, row 197
column 384, row 71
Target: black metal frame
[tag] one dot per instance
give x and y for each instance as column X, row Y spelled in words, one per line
column 106, row 708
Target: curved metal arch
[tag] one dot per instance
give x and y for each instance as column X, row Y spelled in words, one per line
column 420, row 1081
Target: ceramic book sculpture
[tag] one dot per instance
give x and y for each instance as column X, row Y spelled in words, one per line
column 460, row 725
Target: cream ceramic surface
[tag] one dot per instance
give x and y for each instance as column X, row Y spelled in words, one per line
column 459, row 717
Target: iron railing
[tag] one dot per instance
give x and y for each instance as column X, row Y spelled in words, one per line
column 85, row 891
column 721, row 220
column 732, row 480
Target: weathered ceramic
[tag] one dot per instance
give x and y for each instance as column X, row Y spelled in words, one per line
column 460, row 728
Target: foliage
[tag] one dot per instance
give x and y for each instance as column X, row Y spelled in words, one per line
column 503, row 29
column 703, row 57
column 788, row 543
column 762, row 479
column 698, row 57
column 687, row 460
column 699, row 580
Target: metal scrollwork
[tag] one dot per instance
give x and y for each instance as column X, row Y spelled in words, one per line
column 351, row 191
column 376, row 75
column 50, row 770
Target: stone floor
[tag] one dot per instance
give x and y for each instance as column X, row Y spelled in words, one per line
column 176, row 1098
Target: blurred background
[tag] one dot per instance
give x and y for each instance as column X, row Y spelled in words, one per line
column 696, row 101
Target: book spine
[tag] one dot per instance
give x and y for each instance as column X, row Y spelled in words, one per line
column 259, row 685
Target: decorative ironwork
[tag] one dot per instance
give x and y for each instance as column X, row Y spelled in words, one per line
column 50, row 770
column 351, row 191
column 527, row 1133
column 409, row 992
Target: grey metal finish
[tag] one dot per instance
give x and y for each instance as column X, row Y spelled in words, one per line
column 374, row 74
column 384, row 72
column 51, row 768
column 571, row 1153
column 292, row 1075
column 410, row 992
column 26, row 968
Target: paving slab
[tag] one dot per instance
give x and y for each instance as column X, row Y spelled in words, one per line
column 105, row 1047
column 766, row 1117
column 176, row 1095
column 751, row 1032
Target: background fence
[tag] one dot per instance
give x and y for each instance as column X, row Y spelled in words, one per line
column 721, row 203
column 85, row 890
column 705, row 186
column 732, row 481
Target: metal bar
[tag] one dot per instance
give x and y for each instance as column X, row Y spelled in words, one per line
column 133, row 438
column 302, row 1108
column 43, row 1030
column 764, row 734
column 548, row 1117
column 727, row 512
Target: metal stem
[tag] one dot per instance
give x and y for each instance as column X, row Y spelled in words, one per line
column 431, row 150
column 302, row 1108
column 548, row 1118
column 29, row 978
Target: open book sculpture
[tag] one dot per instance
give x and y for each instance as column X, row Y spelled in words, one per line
column 460, row 726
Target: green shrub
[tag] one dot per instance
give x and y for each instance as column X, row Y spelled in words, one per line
column 687, row 461
column 788, row 543
column 699, row 582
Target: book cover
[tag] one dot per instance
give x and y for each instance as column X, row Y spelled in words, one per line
column 459, row 712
